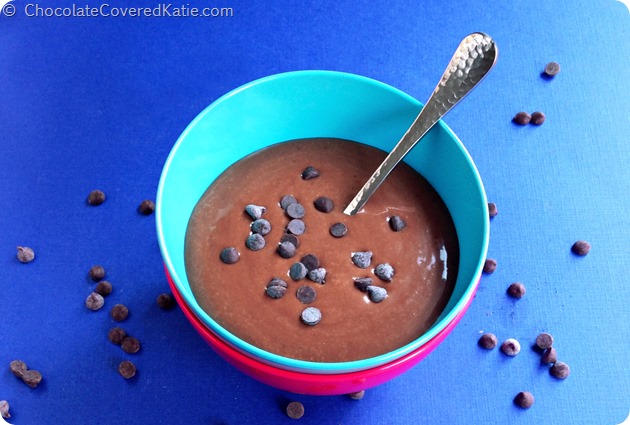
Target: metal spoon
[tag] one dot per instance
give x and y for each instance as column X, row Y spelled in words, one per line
column 474, row 57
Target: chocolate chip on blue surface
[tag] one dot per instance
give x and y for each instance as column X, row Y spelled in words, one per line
column 524, row 400
column 396, row 223
column 4, row 409
column 255, row 242
column 560, row 370
column 96, row 273
column 311, row 316
column 261, row 226
column 297, row 271
column 130, row 345
column 127, row 369
column 511, row 347
column 488, row 341
column 288, row 237
column 104, row 288
column 306, row 294
column 376, row 293
column 356, row 395
column 552, row 69
column 362, row 259
column 94, row 301
column 549, row 356
column 296, row 226
column 339, row 230
column 492, row 209
column 146, row 207
column 295, row 210
column 286, row 250
column 295, row 410
column 581, row 248
column 516, row 290
column 25, row 254
column 362, row 283
column 538, row 118
column 317, row 275
column 544, row 341
column 286, row 201
column 96, row 197
column 324, row 204
column 310, row 261
column 229, row 255
column 32, row 378
column 490, row 265
column 18, row 367
column 522, row 118
column 384, row 272
column 119, row 312
column 255, row 211
column 165, row 301
column 309, row 173
column 116, row 335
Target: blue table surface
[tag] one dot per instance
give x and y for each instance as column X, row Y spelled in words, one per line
column 98, row 102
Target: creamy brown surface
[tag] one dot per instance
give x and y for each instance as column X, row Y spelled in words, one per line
column 352, row 327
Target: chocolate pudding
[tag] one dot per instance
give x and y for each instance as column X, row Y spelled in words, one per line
column 416, row 253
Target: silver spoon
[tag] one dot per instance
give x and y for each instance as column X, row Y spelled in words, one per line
column 474, row 57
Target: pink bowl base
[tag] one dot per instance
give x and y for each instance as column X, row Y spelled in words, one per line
column 314, row 384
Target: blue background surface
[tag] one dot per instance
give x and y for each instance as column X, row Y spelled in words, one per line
column 91, row 103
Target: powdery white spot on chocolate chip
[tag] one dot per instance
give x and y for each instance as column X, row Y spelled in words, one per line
column 255, row 211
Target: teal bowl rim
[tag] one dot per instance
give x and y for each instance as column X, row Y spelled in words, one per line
column 304, row 365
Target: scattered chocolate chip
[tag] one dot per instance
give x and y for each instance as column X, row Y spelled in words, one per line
column 311, row 316
column 362, row 283
column 516, row 290
column 146, row 207
column 286, row 201
column 492, row 209
column 25, row 254
column 306, row 294
column 357, row 396
column 255, row 211
column 384, row 272
column 276, row 288
column 104, row 288
column 119, row 312
column 4, row 409
column 490, row 265
column 549, row 356
column 296, row 227
column 165, row 301
column 581, row 248
column 362, row 259
column 511, row 347
column 339, row 230
column 97, row 273
column 538, row 118
column 522, row 118
column 396, row 223
column 524, row 400
column 288, row 237
column 261, row 226
column 130, row 345
column 286, row 250
column 310, row 261
column 376, row 293
column 309, row 173
column 229, row 255
column 488, row 341
column 297, row 271
column 317, row 275
column 255, row 242
column 295, row 410
column 18, row 367
column 127, row 369
column 94, row 301
column 96, row 197
column 560, row 370
column 544, row 341
column 295, row 210
column 552, row 69
column 324, row 204
column 116, row 335
column 32, row 378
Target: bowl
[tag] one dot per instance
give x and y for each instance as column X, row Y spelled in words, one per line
column 305, row 104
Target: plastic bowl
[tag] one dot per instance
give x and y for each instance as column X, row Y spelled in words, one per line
column 318, row 104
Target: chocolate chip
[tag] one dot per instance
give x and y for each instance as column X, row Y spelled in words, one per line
column 384, row 272
column 318, row 275
column 538, row 118
column 296, row 226
column 18, row 367
column 324, row 204
column 552, row 69
column 306, row 294
column 560, row 370
column 522, row 118
column 524, row 400
column 492, row 209
column 130, row 345
column 309, row 173
column 295, row 410
column 295, row 210
column 488, row 341
column 516, row 290
column 261, row 226
column 286, row 201
column 310, row 261
column 119, row 312
column 4, row 409
column 356, row 396
column 544, row 341
column 339, row 230
column 32, row 378
column 297, row 271
column 104, row 288
column 127, row 369
column 581, row 248
column 549, row 356
column 276, row 288
column 288, row 237
column 94, row 301
column 362, row 283
column 362, row 259
column 165, row 301
column 490, row 265
column 96, row 197
column 255, row 242
column 116, row 335
column 311, row 316
column 230, row 255
column 511, row 347
column 286, row 250
column 376, row 293
column 396, row 223
column 255, row 211
column 25, row 254
column 97, row 273
column 146, row 207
